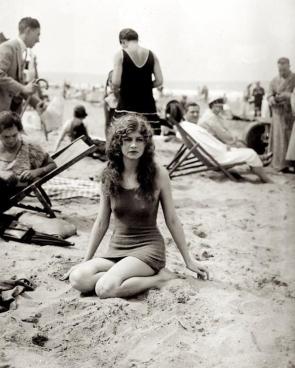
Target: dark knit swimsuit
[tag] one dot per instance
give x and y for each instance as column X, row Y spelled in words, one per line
column 135, row 232
column 136, row 91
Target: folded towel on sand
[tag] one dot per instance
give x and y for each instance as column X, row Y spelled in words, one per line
column 63, row 188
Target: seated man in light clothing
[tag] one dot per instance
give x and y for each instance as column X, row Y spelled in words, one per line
column 213, row 122
column 223, row 153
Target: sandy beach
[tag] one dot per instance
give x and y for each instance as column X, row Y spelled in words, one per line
column 244, row 317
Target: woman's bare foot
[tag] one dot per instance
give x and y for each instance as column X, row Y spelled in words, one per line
column 260, row 172
column 165, row 275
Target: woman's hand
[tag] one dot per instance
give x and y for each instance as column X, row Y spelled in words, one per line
column 67, row 274
column 28, row 175
column 198, row 268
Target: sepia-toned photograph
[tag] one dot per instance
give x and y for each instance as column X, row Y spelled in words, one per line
column 147, row 187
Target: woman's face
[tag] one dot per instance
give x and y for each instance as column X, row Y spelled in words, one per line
column 10, row 138
column 217, row 108
column 133, row 146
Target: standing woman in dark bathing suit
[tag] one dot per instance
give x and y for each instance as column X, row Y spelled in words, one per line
column 136, row 72
column 133, row 186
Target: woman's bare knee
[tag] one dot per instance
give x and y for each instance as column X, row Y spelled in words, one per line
column 106, row 287
column 81, row 280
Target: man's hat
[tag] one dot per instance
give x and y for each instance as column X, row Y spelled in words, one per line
column 80, row 112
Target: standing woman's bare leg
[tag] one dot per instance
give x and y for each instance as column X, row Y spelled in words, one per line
column 129, row 277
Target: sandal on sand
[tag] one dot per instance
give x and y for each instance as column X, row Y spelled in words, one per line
column 28, row 285
column 6, row 285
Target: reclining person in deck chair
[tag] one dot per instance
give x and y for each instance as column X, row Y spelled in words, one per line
column 21, row 161
column 224, row 153
column 214, row 123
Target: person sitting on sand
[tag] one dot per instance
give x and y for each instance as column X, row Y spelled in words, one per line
column 219, row 142
column 75, row 128
column 133, row 186
column 21, row 161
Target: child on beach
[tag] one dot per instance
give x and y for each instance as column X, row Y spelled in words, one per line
column 75, row 128
column 133, row 186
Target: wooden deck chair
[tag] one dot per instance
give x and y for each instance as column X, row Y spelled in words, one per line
column 193, row 158
column 64, row 158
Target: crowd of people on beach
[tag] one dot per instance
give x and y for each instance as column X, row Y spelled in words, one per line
column 133, row 184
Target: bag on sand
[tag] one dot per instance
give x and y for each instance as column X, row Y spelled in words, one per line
column 11, row 229
column 49, row 226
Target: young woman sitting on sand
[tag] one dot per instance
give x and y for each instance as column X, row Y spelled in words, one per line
column 133, row 185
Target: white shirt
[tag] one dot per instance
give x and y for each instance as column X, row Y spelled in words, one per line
column 23, row 48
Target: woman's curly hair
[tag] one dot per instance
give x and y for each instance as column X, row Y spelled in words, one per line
column 146, row 169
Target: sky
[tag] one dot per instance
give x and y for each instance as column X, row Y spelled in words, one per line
column 202, row 40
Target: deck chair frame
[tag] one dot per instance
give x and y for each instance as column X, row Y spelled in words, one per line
column 36, row 187
column 192, row 158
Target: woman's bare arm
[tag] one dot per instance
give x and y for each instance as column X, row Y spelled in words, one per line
column 98, row 231
column 158, row 81
column 61, row 136
column 117, row 71
column 100, row 226
column 45, row 169
column 30, row 175
column 175, row 226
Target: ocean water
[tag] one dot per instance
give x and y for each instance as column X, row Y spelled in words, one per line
column 87, row 80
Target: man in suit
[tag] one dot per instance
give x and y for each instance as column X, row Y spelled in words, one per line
column 12, row 63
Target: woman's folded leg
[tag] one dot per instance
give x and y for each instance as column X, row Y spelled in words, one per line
column 129, row 277
column 85, row 275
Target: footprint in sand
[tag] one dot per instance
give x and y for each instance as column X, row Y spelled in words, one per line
column 253, row 307
column 199, row 233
